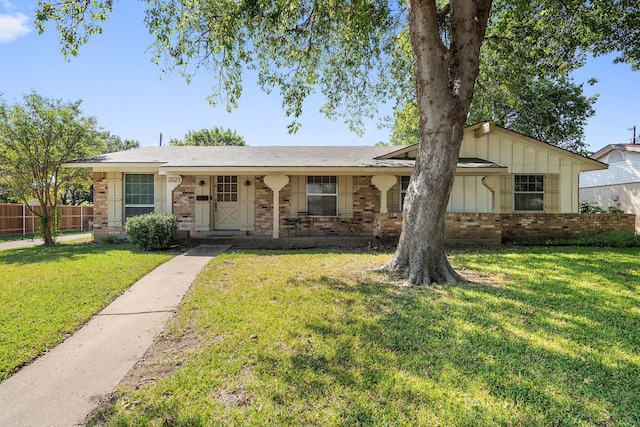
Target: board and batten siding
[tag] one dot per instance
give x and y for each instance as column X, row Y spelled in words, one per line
column 115, row 188
column 468, row 194
column 524, row 155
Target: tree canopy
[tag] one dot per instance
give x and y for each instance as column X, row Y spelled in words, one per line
column 80, row 190
column 115, row 143
column 209, row 137
column 37, row 136
column 553, row 110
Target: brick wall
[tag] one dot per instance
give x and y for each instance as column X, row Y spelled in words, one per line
column 473, row 228
column 184, row 204
column 100, row 214
column 497, row 228
column 366, row 203
column 551, row 226
column 264, row 207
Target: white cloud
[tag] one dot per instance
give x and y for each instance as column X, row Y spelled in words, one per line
column 13, row 26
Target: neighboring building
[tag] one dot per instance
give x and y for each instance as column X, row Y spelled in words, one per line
column 617, row 186
column 334, row 190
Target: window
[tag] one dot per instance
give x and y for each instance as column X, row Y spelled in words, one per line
column 528, row 192
column 404, row 184
column 138, row 194
column 322, row 195
column 615, row 156
column 227, row 188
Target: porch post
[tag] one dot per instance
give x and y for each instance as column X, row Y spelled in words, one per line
column 276, row 182
column 172, row 182
column 384, row 183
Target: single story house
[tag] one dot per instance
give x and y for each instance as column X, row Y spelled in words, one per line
column 335, row 190
column 619, row 185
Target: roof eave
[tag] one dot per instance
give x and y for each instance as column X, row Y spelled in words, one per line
column 112, row 165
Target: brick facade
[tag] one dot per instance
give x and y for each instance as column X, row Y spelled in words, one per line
column 368, row 221
column 100, row 206
column 264, row 207
column 550, row 226
column 184, row 204
column 498, row 228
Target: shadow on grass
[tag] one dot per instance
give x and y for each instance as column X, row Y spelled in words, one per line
column 555, row 345
column 560, row 354
column 57, row 252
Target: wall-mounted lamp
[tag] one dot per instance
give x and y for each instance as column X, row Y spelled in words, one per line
column 247, row 183
column 201, row 183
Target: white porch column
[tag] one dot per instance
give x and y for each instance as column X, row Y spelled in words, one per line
column 276, row 182
column 384, row 183
column 172, row 182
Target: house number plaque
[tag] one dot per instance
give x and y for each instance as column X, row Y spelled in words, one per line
column 174, row 179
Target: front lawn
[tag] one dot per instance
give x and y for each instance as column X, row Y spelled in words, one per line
column 318, row 338
column 47, row 293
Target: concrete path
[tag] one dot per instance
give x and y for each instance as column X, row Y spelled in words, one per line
column 38, row 241
column 62, row 387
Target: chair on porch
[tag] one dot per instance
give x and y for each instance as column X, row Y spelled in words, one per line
column 352, row 223
column 347, row 221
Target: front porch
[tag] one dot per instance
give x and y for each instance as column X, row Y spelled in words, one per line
column 383, row 229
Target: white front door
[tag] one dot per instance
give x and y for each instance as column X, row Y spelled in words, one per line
column 203, row 203
column 226, row 208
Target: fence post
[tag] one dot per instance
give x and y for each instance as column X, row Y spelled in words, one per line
column 81, row 220
column 24, row 219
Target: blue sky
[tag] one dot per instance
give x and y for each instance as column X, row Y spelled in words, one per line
column 132, row 98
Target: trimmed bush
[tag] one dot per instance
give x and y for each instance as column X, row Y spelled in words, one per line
column 613, row 239
column 153, row 231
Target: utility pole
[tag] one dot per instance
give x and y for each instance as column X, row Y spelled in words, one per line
column 161, row 136
column 634, row 139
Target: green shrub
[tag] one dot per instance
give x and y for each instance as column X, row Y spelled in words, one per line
column 113, row 239
column 592, row 207
column 153, row 231
column 613, row 239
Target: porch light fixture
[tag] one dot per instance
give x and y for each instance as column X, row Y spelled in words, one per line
column 247, row 183
column 201, row 183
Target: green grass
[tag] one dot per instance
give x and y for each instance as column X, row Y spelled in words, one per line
column 319, row 338
column 47, row 293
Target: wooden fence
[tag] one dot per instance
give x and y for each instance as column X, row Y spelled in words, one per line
column 18, row 219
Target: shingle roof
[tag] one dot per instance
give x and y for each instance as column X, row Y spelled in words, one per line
column 249, row 156
column 611, row 147
column 261, row 157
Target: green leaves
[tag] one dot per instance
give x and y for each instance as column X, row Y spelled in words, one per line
column 76, row 21
column 36, row 138
column 210, row 137
column 350, row 51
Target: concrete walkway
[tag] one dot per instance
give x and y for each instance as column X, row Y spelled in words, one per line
column 38, row 241
column 62, row 387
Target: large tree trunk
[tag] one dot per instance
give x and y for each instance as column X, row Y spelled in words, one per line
column 445, row 76
column 421, row 250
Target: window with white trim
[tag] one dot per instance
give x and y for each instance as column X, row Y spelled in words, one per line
column 322, row 195
column 615, row 156
column 138, row 194
column 528, row 192
column 404, row 185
